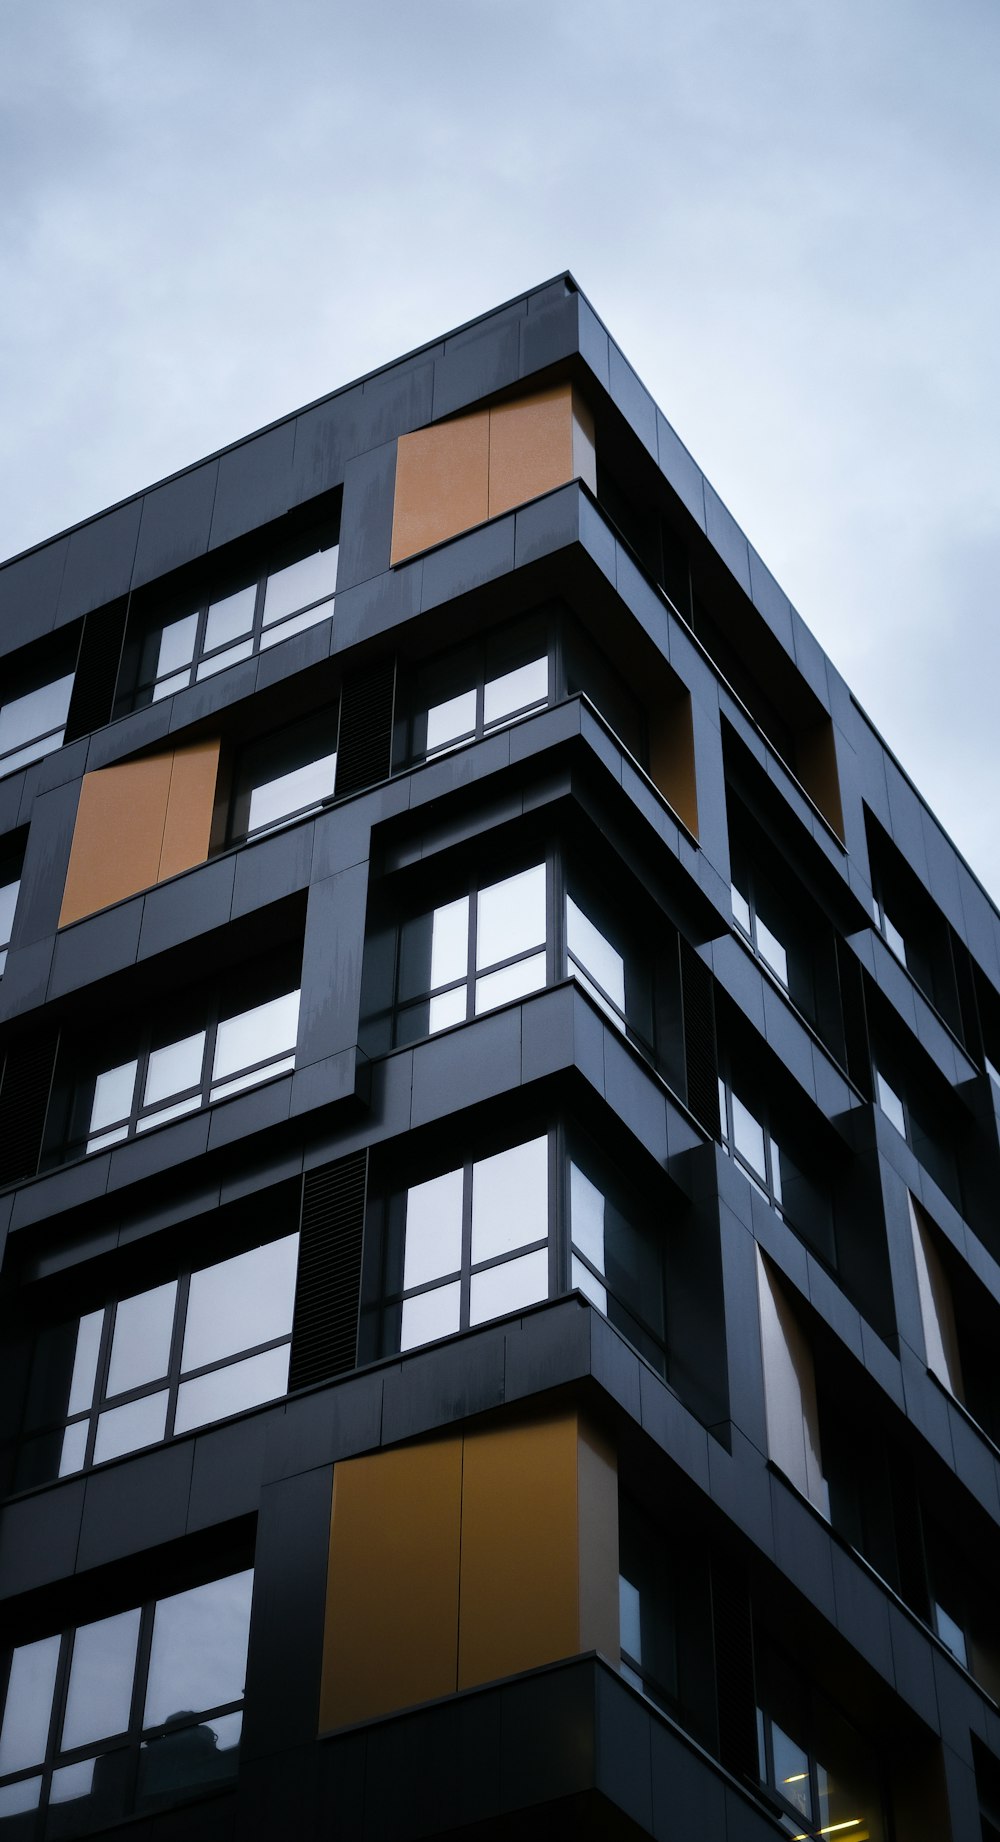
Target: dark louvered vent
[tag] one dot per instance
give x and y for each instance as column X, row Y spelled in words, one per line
column 96, row 671
column 852, row 998
column 24, row 1100
column 364, row 754
column 700, row 1053
column 325, row 1330
column 735, row 1689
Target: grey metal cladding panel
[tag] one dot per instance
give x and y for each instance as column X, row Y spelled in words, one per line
column 689, row 1796
column 384, row 601
column 478, row 556
column 227, row 1470
column 326, row 437
column 550, row 334
column 187, row 905
column 29, row 594
column 466, row 1066
column 633, row 399
column 437, row 1386
column 769, row 599
column 134, row 1505
column 292, row 1549
column 546, row 525
column 94, row 948
column 45, row 862
column 176, row 522
column 472, row 371
column 624, row 1765
column 594, row 343
column 255, row 484
column 99, row 562
column 811, row 659
column 331, row 965
column 681, row 469
column 366, row 522
column 25, row 981
column 272, row 868
column 725, row 534
column 467, row 335
column 396, row 402
column 38, row 1538
column 560, row 289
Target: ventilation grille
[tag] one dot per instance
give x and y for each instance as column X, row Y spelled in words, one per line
column 96, row 671
column 735, row 1689
column 325, row 1330
column 852, row 998
column 24, row 1100
column 364, row 754
column 700, row 1054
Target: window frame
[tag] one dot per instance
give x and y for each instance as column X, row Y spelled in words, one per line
column 127, row 1744
column 243, row 787
column 31, row 673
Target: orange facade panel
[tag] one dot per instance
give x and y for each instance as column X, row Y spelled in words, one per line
column 138, row 823
column 457, row 474
column 460, row 1561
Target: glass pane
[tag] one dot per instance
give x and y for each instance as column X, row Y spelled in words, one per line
column 430, row 1315
column 951, row 1634
column 171, row 1069
column 88, row 1344
column 15, row 1798
column 71, row 1781
column 748, row 1137
column 199, row 1650
column 29, row 1704
column 529, row 684
column 304, row 786
column 595, row 953
column 511, row 916
column 271, row 636
column 113, row 1092
column 74, row 1448
column 104, row 1139
column 891, row 1104
column 628, row 1617
column 220, row 660
column 177, row 646
column 446, row 722
column 741, row 910
column 8, row 902
column 35, row 714
column 230, row 618
column 232, row 1389
column 771, row 951
column 187, row 1758
column 167, row 686
column 510, row 1199
column 450, row 942
column 587, row 1217
column 433, row 1229
column 160, row 1116
column 894, row 938
column 241, row 1302
column 583, row 1280
column 446, row 1009
column 511, row 982
column 254, row 1035
column 129, row 1428
column 33, row 751
column 140, row 1347
column 100, row 1679
column 240, row 1082
column 791, row 1770
column 509, row 1287
column 310, row 579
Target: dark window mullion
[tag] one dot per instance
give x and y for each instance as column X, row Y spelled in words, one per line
column 251, row 1349
column 208, row 1057
column 559, row 1211
column 176, row 1348
column 199, row 645
column 470, row 991
column 257, row 624
column 464, row 1305
column 58, row 1714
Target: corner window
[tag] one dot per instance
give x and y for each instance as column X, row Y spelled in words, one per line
column 166, row 1360
column 35, row 706
column 922, row 1111
column 492, row 1236
column 284, row 776
column 815, row 1766
column 11, row 858
column 647, row 1609
column 127, row 1712
column 749, row 1136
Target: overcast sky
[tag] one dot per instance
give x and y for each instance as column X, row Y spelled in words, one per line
column 786, row 211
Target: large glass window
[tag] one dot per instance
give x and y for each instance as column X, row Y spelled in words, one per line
column 284, row 776
column 755, row 1143
column 165, row 1360
column 505, row 1231
column 202, row 636
column 647, row 1608
column 125, row 1712
column 816, row 1767
column 33, row 720
column 925, row 1118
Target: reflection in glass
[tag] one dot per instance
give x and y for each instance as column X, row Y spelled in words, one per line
column 528, row 684
column 177, row 642
column 129, row 1428
column 230, row 618
column 312, row 578
column 99, row 1698
column 240, row 1302
column 232, row 1389
column 890, row 1103
column 71, row 1781
column 290, row 793
column 430, row 1315
column 433, row 1229
column 113, row 1092
column 450, row 942
column 583, row 1280
column 255, row 1035
column 791, row 1770
column 24, row 1795
column 448, row 721
column 509, row 1287
column 173, row 1068
column 140, row 1347
column 447, row 1009
column 188, row 1757
column 220, row 660
column 511, row 982
column 595, row 953
column 32, row 719
column 772, row 952
column 748, row 1137
column 587, row 1217
column 199, row 1648
column 29, row 1704
column 511, row 916
column 88, row 1345
column 74, row 1448
column 510, row 1204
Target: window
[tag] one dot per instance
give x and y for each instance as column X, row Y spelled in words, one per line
column 749, row 910
column 891, row 934
column 126, row 1712
column 201, row 1049
column 203, row 636
column 165, row 1360
column 284, row 776
column 925, row 1118
column 500, row 941
column 815, row 1766
column 790, row 1406
column 11, row 858
column 936, row 1309
column 647, row 1609
column 34, row 711
column 749, row 1138
column 912, row 926
column 478, row 1241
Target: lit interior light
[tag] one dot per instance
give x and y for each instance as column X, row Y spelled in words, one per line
column 796, row 1778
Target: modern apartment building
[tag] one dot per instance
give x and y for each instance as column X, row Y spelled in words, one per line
column 499, row 1157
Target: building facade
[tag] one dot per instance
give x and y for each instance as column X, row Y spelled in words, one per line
column 498, row 1157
